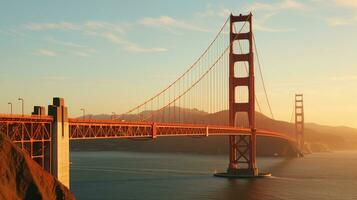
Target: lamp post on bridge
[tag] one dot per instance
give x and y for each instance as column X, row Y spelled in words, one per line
column 113, row 115
column 22, row 104
column 84, row 112
column 10, row 107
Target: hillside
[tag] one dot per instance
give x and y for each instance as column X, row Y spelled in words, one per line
column 22, row 178
column 317, row 137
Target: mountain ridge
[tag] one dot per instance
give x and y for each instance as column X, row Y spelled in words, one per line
column 318, row 137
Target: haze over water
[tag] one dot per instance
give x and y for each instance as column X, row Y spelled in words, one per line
column 124, row 175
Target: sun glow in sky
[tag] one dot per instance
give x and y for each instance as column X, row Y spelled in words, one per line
column 108, row 56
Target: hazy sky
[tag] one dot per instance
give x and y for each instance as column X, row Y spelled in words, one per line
column 108, row 56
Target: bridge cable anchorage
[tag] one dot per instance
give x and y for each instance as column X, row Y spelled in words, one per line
column 183, row 75
column 198, row 80
column 261, row 76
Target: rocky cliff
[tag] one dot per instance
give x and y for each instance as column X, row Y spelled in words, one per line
column 22, row 178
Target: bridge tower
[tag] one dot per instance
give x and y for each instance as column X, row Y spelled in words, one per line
column 242, row 149
column 299, row 121
column 60, row 140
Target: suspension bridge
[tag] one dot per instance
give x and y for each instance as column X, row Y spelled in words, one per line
column 220, row 82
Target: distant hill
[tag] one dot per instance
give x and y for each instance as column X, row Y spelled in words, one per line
column 317, row 137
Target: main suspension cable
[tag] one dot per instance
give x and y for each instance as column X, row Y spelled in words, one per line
column 186, row 72
column 199, row 79
column 261, row 76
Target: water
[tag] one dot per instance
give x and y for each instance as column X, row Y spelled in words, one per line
column 123, row 175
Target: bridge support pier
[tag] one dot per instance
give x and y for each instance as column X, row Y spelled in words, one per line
column 242, row 152
column 242, row 162
column 60, row 140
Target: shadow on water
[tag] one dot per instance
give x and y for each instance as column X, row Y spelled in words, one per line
column 239, row 189
column 281, row 164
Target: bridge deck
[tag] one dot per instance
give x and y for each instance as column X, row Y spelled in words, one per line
column 80, row 129
column 96, row 129
column 34, row 133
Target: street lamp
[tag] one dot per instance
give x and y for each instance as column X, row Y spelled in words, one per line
column 113, row 115
column 10, row 107
column 22, row 102
column 84, row 112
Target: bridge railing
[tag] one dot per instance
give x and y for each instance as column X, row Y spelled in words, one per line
column 17, row 117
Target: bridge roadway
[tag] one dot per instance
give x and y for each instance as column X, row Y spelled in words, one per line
column 80, row 129
column 31, row 127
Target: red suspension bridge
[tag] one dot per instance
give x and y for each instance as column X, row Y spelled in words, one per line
column 220, row 82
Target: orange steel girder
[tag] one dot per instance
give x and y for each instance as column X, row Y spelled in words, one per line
column 31, row 133
column 80, row 129
column 38, row 128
